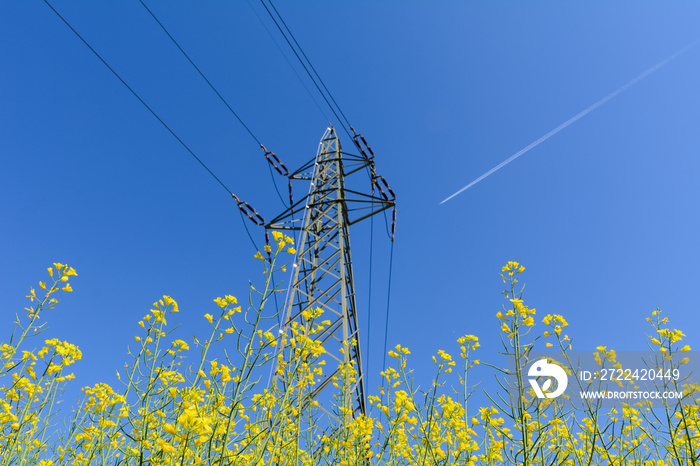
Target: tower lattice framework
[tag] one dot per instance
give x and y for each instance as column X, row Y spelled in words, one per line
column 322, row 276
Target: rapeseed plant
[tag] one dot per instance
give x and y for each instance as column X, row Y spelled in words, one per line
column 209, row 405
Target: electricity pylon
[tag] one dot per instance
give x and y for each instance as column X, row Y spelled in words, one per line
column 322, row 275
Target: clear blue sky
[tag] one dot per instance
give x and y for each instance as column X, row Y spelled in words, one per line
column 604, row 215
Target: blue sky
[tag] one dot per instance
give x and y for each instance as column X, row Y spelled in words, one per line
column 603, row 215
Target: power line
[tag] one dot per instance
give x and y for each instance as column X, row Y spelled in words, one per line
column 200, row 72
column 369, row 296
column 223, row 100
column 284, row 55
column 139, row 98
column 245, row 225
column 274, row 182
column 218, row 94
column 305, row 67
column 308, row 61
column 388, row 301
column 150, row 110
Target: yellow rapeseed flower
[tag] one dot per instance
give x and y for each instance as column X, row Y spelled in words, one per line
column 170, row 429
column 510, row 266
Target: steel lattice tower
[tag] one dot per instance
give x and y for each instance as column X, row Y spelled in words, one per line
column 322, row 276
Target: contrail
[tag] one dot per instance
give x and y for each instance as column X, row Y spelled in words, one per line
column 573, row 119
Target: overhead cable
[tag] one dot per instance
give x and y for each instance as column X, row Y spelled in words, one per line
column 200, row 72
column 242, row 205
column 223, row 100
column 388, row 302
column 304, row 65
column 284, row 55
column 308, row 61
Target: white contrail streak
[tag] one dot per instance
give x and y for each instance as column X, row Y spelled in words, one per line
column 573, row 119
